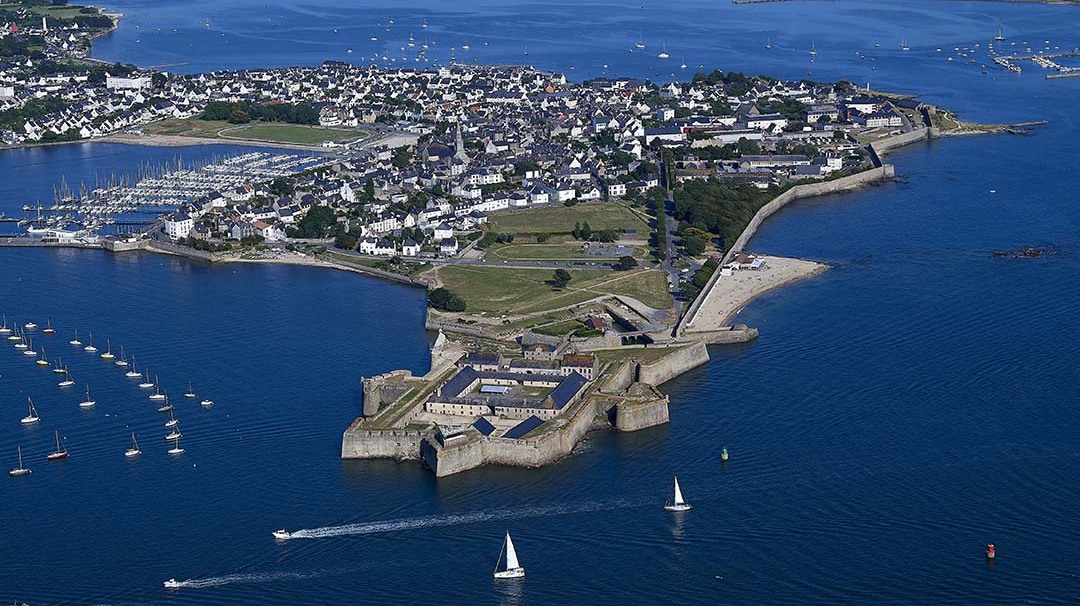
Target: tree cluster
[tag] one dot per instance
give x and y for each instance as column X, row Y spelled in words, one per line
column 446, row 300
column 242, row 112
column 718, row 207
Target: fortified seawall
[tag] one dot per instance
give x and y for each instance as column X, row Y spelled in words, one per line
column 808, row 190
column 673, row 365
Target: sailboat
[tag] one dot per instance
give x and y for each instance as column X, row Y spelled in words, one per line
column 663, row 52
column 122, row 362
column 166, row 407
column 21, row 342
column 4, row 330
column 32, row 416
column 513, row 569
column 134, row 450
column 157, row 395
column 768, row 44
column 49, row 330
column 190, row 393
column 813, row 48
column 68, row 381
column 904, row 45
column 682, row 65
column 58, row 366
column 175, row 450
column 999, row 37
column 108, row 355
column 132, row 373
column 423, row 24
column 90, row 344
column 75, row 341
column 146, row 384
column 172, row 420
column 20, row 470
column 43, row 360
column 640, row 44
column 678, row 504
column 87, row 403
column 466, row 45
column 28, row 350
column 60, row 452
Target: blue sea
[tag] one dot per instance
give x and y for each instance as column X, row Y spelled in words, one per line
column 913, row 403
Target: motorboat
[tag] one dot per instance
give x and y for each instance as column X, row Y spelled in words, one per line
column 281, row 534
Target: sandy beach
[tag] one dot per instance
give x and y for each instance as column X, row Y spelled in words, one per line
column 732, row 293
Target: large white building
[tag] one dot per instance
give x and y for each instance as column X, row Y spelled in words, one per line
column 178, row 225
column 139, row 83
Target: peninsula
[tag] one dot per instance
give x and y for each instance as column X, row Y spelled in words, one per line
column 581, row 243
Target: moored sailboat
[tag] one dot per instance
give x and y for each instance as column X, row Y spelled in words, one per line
column 20, row 470
column 134, row 451
column 68, row 381
column 90, row 344
column 190, row 392
column 146, row 383
column 49, row 330
column 122, row 362
column 132, row 372
column 513, row 569
column 4, row 330
column 61, row 451
column 88, row 402
column 176, row 449
column 43, row 360
column 75, row 341
column 157, row 395
column 108, row 355
column 32, row 416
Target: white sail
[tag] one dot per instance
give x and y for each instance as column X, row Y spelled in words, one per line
column 511, row 554
column 678, row 493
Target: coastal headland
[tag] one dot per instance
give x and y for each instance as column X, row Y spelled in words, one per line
column 581, row 243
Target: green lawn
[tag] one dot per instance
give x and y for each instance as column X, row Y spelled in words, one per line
column 511, row 291
column 260, row 131
column 599, row 215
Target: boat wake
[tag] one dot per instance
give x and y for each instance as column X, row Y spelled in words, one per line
column 246, row 578
column 436, row 521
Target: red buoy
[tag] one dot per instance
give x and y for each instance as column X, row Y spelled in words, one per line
column 990, row 551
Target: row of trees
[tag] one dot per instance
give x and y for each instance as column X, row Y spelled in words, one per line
column 242, row 112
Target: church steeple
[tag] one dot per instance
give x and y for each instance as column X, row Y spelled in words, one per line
column 459, row 145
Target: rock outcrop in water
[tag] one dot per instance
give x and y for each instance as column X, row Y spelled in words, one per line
column 1028, row 252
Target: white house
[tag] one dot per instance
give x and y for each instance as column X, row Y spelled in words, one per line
column 410, row 248
column 178, row 225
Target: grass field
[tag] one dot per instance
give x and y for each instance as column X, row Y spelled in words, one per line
column 296, row 134
column 511, row 291
column 599, row 215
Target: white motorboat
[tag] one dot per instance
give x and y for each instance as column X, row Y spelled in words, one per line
column 282, row 534
column 32, row 416
column 207, row 403
column 20, row 470
column 678, row 504
column 29, row 326
column 513, row 569
column 172, row 584
column 134, row 450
